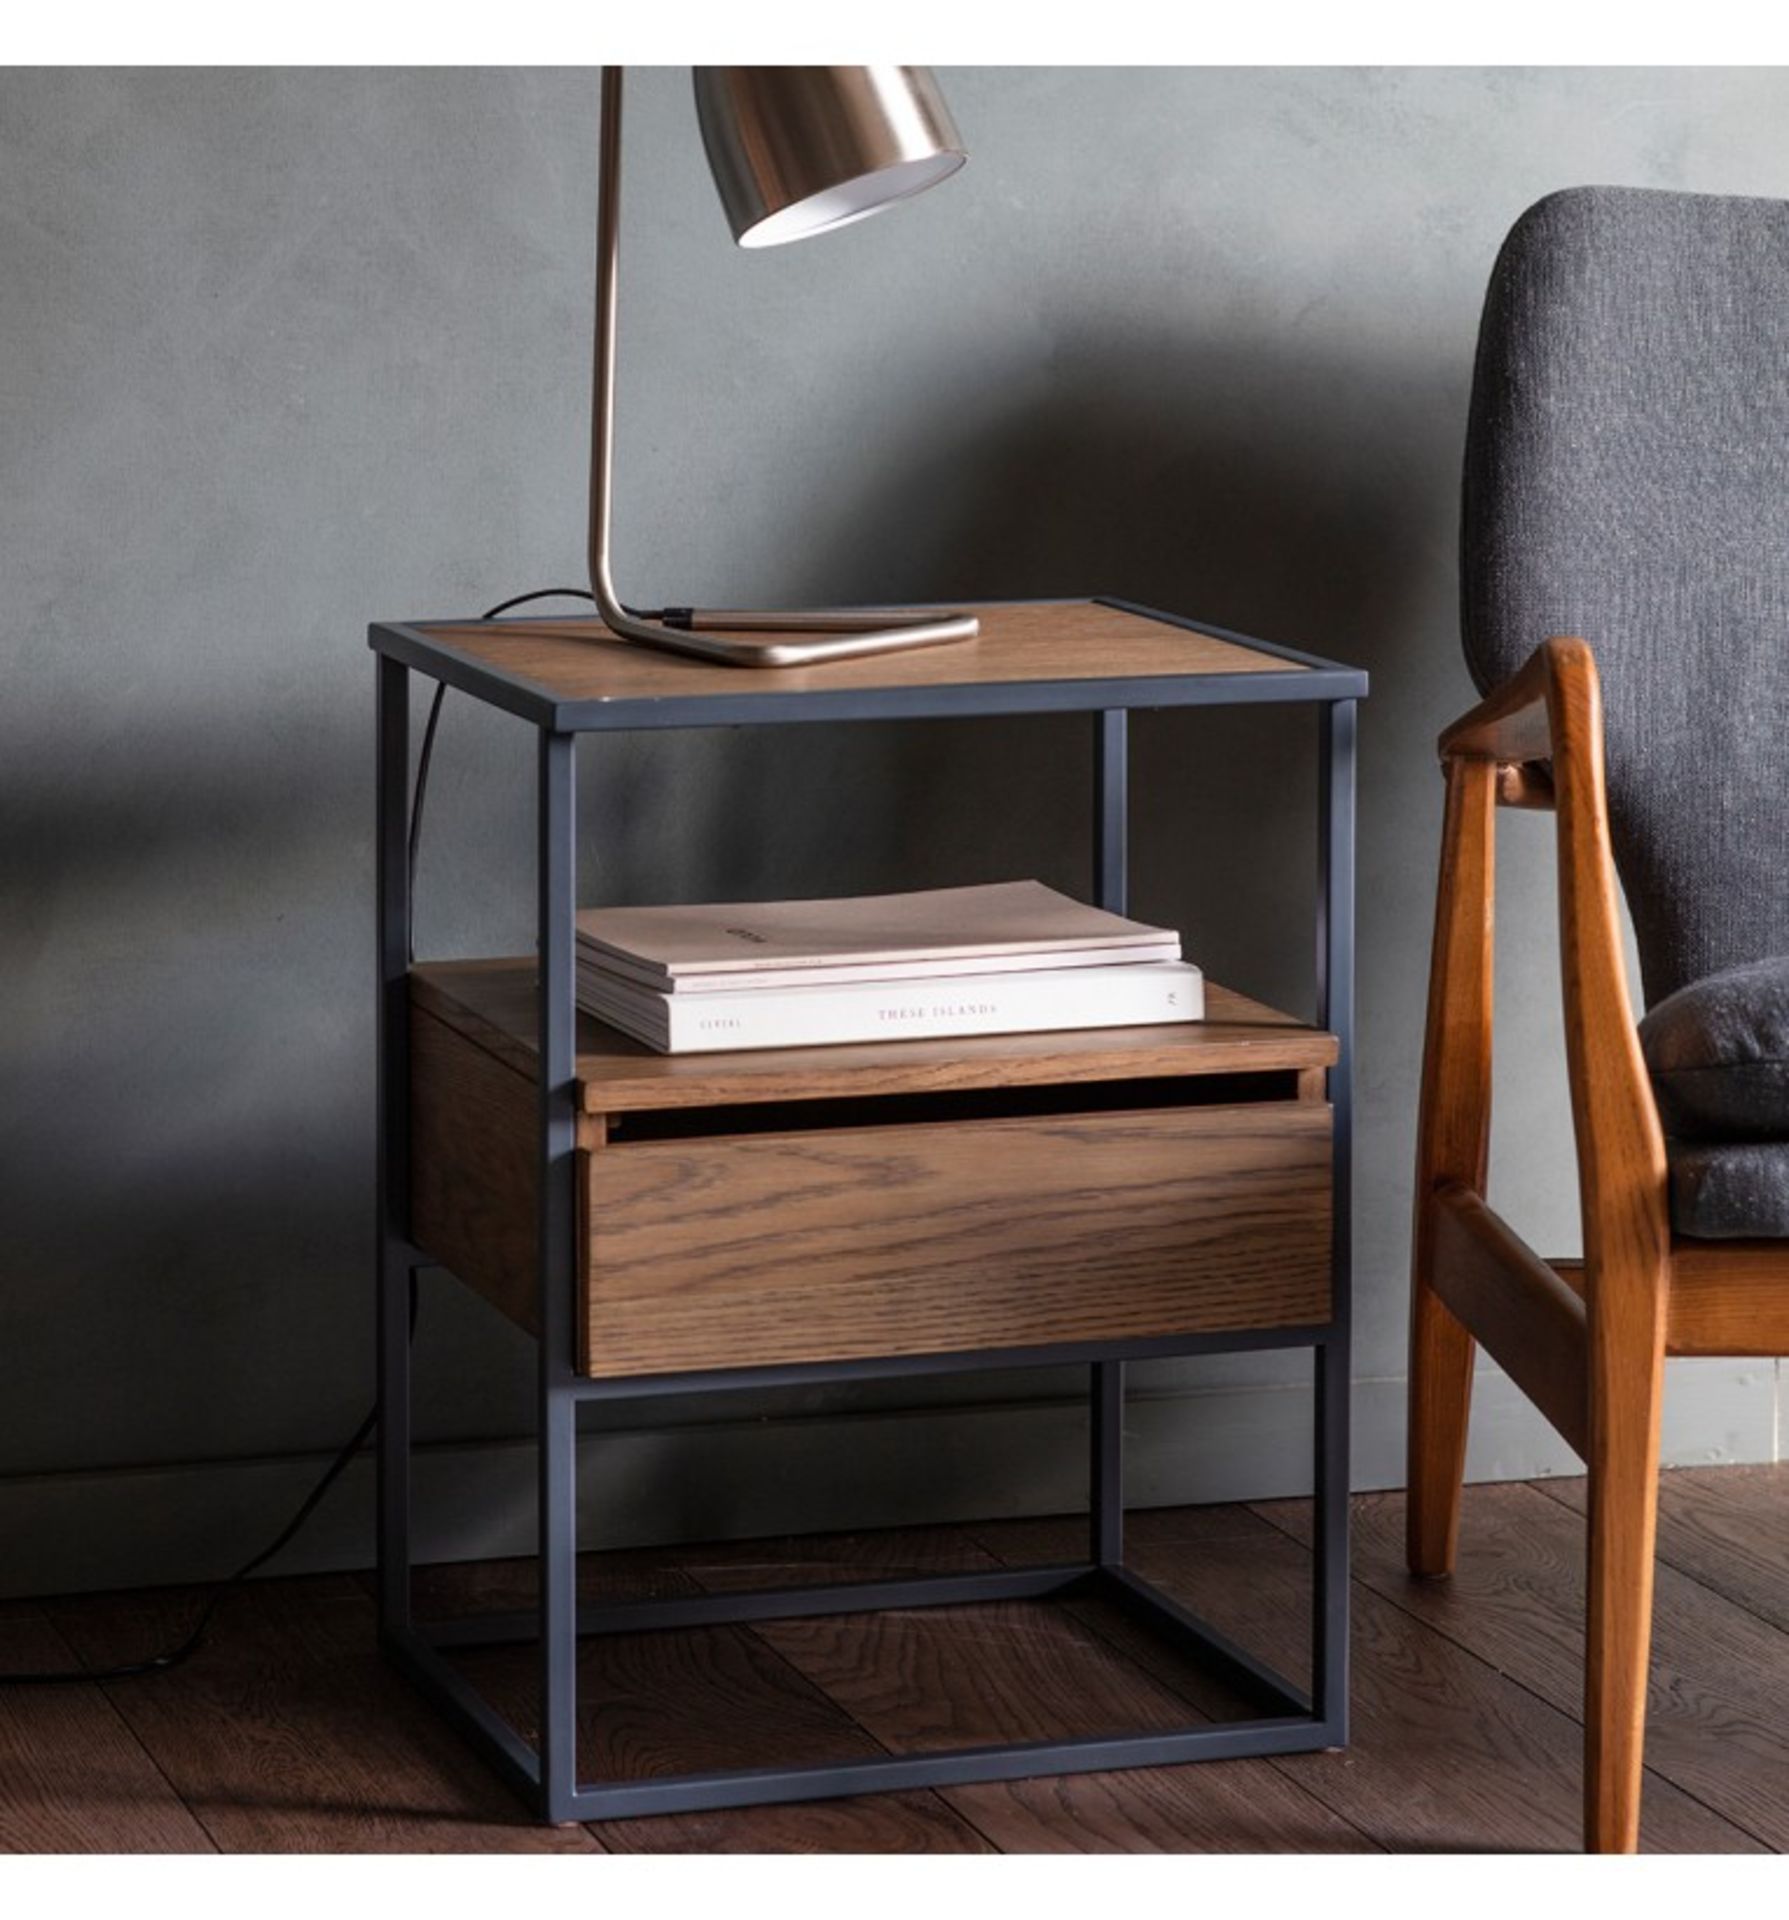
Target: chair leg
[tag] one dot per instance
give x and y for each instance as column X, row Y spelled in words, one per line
column 1626, row 1390
column 1441, row 1354
column 1453, row 1133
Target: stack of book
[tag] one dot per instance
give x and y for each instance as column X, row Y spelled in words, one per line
column 1011, row 958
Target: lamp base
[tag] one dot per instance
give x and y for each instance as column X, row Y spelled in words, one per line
column 802, row 639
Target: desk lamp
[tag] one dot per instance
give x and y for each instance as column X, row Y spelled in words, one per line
column 794, row 151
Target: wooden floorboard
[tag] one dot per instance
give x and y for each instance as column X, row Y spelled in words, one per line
column 1727, row 1527
column 660, row 1703
column 73, row 1777
column 289, row 1733
column 1444, row 1754
column 1718, row 1709
column 938, row 1677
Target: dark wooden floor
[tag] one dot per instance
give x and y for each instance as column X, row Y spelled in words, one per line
column 288, row 1734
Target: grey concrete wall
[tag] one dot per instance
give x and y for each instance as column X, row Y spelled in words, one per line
column 282, row 352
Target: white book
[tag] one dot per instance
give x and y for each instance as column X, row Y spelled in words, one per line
column 900, row 935
column 1060, row 999
column 838, row 973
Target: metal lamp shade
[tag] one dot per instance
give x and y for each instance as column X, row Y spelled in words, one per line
column 800, row 150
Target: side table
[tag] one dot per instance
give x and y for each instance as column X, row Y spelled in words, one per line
column 668, row 1224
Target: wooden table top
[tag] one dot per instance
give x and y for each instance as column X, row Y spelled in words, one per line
column 575, row 674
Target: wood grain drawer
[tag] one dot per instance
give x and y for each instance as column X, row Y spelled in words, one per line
column 908, row 1223
column 841, row 1243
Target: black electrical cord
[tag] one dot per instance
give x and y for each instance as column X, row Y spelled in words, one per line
column 420, row 792
column 195, row 1638
column 185, row 1649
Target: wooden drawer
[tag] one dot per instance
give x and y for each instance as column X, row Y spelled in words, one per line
column 839, row 1244
column 942, row 1211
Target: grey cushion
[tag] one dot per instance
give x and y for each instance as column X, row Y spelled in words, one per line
column 1735, row 1191
column 1718, row 1052
column 1627, row 479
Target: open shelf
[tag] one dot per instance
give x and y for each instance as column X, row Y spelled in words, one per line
column 493, row 1004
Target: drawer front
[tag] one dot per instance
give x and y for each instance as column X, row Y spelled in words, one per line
column 777, row 1248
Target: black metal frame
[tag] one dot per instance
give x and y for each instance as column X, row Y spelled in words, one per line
column 1292, row 1721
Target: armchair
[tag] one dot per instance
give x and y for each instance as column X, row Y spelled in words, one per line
column 1627, row 479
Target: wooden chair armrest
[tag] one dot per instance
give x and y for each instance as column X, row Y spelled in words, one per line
column 1551, row 712
column 1510, row 725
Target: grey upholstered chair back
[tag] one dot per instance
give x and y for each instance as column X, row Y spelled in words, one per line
column 1627, row 479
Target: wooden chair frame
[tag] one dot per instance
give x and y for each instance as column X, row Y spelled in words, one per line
column 1585, row 1339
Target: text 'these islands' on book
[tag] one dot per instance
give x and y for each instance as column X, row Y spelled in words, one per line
column 1015, row 957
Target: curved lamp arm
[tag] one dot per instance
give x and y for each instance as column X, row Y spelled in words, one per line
column 803, row 639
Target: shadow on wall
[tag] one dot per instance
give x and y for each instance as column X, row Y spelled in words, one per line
column 1309, row 500
column 1273, row 492
column 1312, row 503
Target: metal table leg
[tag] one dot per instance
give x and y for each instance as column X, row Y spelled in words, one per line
column 558, row 1463
column 1111, row 886
column 1335, row 1010
column 396, row 1261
